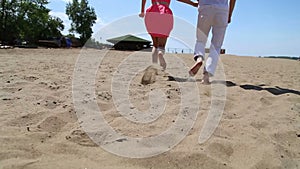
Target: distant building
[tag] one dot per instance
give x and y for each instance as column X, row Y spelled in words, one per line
column 223, row 51
column 129, row 42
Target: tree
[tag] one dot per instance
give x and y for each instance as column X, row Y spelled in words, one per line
column 28, row 20
column 8, row 27
column 36, row 21
column 83, row 17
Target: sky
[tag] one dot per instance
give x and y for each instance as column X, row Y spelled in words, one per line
column 258, row 28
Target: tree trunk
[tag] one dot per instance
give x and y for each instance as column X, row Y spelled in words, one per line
column 2, row 28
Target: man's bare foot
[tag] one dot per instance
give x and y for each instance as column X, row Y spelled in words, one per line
column 193, row 71
column 205, row 79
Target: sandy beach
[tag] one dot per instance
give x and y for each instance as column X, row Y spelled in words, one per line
column 259, row 128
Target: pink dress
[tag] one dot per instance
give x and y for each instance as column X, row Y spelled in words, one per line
column 159, row 18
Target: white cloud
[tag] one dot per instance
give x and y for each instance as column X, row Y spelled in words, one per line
column 66, row 1
column 97, row 26
column 61, row 15
column 65, row 20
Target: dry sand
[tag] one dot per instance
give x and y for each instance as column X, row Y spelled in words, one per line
column 259, row 129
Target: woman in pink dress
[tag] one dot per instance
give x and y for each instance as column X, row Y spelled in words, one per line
column 159, row 24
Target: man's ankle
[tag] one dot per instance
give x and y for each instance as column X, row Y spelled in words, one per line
column 198, row 58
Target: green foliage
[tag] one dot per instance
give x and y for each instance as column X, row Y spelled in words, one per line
column 93, row 43
column 283, row 57
column 28, row 20
column 83, row 17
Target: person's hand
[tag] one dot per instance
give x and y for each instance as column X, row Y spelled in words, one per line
column 142, row 15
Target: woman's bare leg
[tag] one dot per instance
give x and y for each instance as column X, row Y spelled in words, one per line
column 161, row 51
column 154, row 50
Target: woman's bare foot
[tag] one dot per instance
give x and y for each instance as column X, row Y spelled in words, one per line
column 205, row 79
column 162, row 61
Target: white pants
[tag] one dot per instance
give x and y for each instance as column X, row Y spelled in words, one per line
column 215, row 19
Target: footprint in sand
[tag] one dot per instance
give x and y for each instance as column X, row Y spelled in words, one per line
column 51, row 85
column 259, row 125
column 220, row 150
column 27, row 120
column 68, row 116
column 31, row 78
column 51, row 124
column 50, row 102
column 81, row 138
column 266, row 101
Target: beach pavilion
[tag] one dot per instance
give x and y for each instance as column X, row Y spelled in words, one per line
column 129, row 42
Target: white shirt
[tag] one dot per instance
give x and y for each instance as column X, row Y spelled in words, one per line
column 218, row 3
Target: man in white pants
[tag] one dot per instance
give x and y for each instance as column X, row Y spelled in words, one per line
column 213, row 15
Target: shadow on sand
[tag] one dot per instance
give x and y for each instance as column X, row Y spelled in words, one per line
column 180, row 79
column 273, row 90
